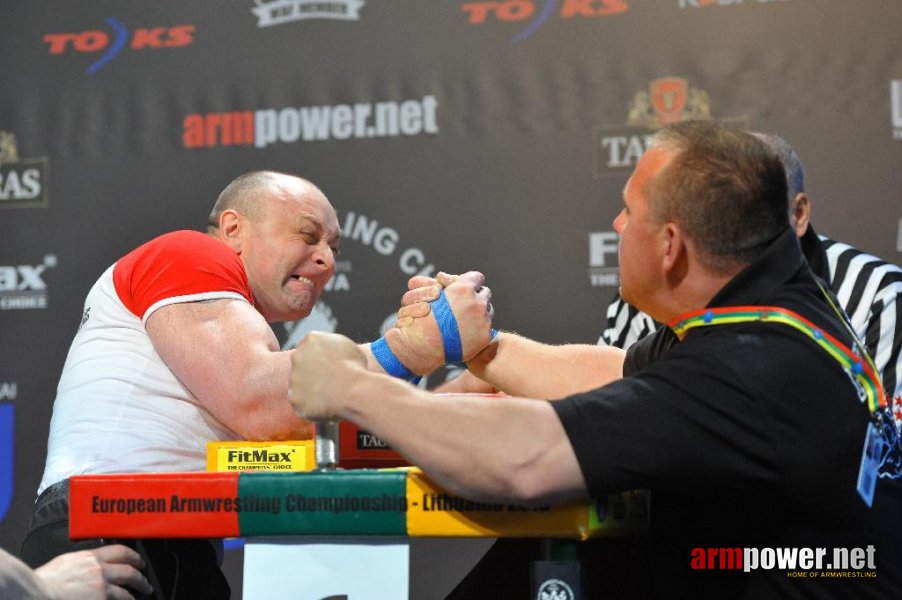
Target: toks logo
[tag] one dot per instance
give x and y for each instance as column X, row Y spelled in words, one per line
column 97, row 40
column 22, row 181
column 525, row 10
column 668, row 100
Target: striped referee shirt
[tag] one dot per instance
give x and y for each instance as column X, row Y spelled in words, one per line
column 868, row 289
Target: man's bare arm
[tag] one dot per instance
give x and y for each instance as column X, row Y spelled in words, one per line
column 517, row 365
column 522, row 367
column 514, row 450
column 226, row 354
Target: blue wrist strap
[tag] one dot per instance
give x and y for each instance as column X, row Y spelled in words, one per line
column 447, row 326
column 388, row 361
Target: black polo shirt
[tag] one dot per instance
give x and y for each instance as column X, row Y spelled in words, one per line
column 748, row 436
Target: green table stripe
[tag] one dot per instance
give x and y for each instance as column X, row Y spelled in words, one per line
column 360, row 502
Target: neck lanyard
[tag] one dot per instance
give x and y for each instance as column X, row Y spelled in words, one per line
column 860, row 368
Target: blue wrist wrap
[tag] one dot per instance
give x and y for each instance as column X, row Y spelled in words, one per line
column 447, row 326
column 388, row 361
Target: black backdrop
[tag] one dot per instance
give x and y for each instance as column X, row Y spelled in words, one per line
column 449, row 135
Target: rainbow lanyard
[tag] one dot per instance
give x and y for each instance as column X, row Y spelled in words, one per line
column 860, row 368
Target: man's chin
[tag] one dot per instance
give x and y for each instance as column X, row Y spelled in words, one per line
column 624, row 295
column 300, row 313
column 302, row 307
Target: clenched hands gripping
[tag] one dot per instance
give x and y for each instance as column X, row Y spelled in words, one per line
column 326, row 366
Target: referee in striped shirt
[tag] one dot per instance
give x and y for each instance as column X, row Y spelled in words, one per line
column 868, row 289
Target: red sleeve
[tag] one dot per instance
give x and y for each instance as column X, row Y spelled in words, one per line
column 182, row 266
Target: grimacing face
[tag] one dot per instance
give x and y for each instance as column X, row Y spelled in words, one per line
column 289, row 252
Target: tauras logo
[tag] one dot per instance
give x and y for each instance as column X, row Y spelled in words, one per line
column 277, row 12
column 368, row 441
column 23, row 286
column 667, row 100
column 22, row 181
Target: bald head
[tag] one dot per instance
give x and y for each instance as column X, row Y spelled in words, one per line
column 243, row 195
column 286, row 233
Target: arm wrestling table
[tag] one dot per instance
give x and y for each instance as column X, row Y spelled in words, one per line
column 324, row 533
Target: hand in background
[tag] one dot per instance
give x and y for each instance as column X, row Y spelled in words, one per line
column 99, row 574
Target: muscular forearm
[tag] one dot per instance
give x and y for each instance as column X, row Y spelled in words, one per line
column 513, row 450
column 504, row 449
column 229, row 359
column 269, row 415
column 265, row 411
column 519, row 366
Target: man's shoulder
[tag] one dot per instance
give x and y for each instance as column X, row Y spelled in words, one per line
column 184, row 246
column 648, row 350
column 179, row 264
column 184, row 238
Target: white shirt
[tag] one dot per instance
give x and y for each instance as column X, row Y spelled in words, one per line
column 119, row 409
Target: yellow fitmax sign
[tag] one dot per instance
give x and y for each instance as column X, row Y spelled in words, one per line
column 261, row 456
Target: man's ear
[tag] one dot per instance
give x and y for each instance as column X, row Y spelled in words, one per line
column 231, row 226
column 674, row 259
column 800, row 213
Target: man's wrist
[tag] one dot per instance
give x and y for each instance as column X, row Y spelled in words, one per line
column 390, row 363
column 479, row 363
